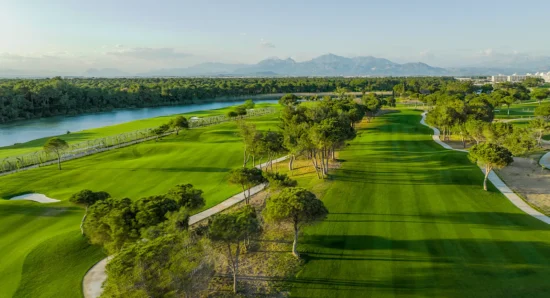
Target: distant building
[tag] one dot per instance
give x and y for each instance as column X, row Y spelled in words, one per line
column 544, row 75
column 515, row 78
column 499, row 79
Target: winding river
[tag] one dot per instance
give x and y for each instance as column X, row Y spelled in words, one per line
column 24, row 131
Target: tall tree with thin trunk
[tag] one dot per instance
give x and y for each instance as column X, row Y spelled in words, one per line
column 490, row 156
column 540, row 126
column 246, row 178
column 297, row 206
column 179, row 123
column 231, row 229
column 56, row 146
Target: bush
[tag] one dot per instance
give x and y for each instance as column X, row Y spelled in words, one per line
column 277, row 180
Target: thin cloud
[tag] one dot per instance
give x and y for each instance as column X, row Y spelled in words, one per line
column 264, row 44
column 427, row 55
column 148, row 53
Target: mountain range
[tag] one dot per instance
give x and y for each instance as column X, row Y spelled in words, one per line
column 327, row 65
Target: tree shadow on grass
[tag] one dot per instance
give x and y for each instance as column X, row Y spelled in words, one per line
column 465, row 251
column 480, row 220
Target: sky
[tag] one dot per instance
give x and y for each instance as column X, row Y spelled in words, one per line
column 70, row 36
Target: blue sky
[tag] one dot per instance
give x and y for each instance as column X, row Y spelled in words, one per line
column 138, row 35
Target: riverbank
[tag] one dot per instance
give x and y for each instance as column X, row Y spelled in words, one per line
column 111, row 130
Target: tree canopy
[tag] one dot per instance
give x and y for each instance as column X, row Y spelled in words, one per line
column 297, row 206
column 490, row 156
column 57, row 146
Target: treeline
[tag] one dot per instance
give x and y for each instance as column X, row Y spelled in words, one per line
column 27, row 99
column 469, row 116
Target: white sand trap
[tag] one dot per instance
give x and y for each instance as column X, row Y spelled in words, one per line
column 37, row 197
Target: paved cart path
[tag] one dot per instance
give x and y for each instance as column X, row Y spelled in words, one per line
column 94, row 278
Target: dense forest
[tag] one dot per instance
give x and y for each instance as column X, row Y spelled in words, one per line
column 36, row 98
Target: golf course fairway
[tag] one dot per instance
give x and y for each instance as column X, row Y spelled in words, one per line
column 42, row 251
column 410, row 219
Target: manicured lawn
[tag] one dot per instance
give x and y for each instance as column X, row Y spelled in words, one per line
column 42, row 252
column 202, row 157
column 102, row 132
column 525, row 110
column 410, row 219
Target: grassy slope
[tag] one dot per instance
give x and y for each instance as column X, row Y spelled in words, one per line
column 97, row 133
column 410, row 219
column 42, row 250
column 201, row 156
column 29, row 231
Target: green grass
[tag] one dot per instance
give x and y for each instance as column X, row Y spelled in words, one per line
column 202, row 157
column 524, row 110
column 43, row 253
column 112, row 130
column 410, row 219
column 40, row 245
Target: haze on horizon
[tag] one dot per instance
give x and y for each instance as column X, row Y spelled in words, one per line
column 68, row 37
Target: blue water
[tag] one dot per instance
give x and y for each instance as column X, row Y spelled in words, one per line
column 24, row 131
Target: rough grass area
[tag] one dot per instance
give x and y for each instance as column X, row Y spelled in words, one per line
column 410, row 219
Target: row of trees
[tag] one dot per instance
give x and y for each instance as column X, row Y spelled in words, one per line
column 469, row 115
column 314, row 131
column 317, row 131
column 35, row 98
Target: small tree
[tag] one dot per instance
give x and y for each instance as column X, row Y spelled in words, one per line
column 543, row 111
column 540, row 126
column 249, row 104
column 231, row 229
column 240, row 110
column 289, row 100
column 297, row 206
column 232, row 114
column 491, row 156
column 540, row 94
column 474, row 129
column 187, row 196
column 161, row 130
column 179, row 123
column 87, row 198
column 56, row 146
column 246, row 178
column 508, row 100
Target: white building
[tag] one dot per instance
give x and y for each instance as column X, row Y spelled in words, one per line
column 544, row 75
column 515, row 78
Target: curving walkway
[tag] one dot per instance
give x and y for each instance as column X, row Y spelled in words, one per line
column 497, row 182
column 545, row 160
column 92, row 284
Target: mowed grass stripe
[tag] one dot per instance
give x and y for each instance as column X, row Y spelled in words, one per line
column 419, row 224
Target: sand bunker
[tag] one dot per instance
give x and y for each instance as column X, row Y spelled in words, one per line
column 36, row 197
